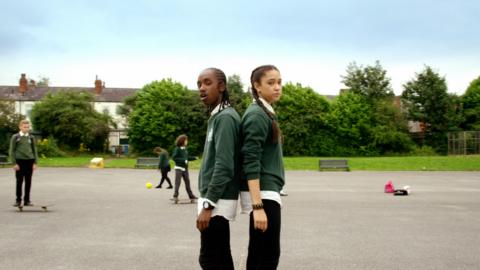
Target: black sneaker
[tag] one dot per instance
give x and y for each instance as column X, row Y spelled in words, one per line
column 158, row 187
column 17, row 204
column 170, row 187
column 27, row 204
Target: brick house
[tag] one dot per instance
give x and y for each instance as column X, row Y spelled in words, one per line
column 26, row 94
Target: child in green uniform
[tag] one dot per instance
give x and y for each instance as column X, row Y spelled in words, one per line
column 163, row 166
column 219, row 179
column 180, row 157
column 23, row 153
column 263, row 169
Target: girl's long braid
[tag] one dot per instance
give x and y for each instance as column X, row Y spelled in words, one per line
column 255, row 77
column 225, row 102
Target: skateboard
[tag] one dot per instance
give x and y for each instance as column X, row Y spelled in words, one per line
column 183, row 201
column 35, row 207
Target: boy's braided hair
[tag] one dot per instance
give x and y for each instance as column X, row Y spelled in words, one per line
column 225, row 102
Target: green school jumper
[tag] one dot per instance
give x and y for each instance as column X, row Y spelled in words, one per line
column 22, row 147
column 180, row 157
column 262, row 158
column 219, row 176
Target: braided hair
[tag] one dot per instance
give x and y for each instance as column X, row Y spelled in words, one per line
column 256, row 76
column 225, row 102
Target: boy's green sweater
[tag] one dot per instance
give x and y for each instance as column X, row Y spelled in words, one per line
column 21, row 148
column 262, row 158
column 219, row 176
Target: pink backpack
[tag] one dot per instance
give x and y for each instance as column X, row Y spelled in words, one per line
column 389, row 187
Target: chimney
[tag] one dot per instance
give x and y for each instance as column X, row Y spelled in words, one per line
column 98, row 86
column 23, row 84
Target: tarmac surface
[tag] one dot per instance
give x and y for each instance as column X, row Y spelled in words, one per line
column 107, row 219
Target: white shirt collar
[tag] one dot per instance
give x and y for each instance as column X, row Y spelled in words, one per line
column 266, row 104
column 217, row 109
column 23, row 134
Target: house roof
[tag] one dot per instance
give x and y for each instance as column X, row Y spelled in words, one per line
column 37, row 93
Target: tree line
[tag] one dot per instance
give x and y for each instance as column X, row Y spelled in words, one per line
column 363, row 120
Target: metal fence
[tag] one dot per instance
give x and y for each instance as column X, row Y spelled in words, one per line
column 464, row 143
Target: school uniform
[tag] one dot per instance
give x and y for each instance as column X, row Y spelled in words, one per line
column 164, row 167
column 262, row 159
column 219, row 183
column 23, row 152
column 181, row 158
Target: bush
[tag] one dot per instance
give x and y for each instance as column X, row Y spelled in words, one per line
column 301, row 114
column 49, row 148
column 8, row 124
column 71, row 118
column 161, row 111
column 423, row 151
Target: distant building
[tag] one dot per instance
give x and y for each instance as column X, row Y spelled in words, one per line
column 26, row 94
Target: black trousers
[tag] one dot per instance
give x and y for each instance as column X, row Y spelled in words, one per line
column 215, row 251
column 24, row 174
column 164, row 172
column 178, row 175
column 264, row 247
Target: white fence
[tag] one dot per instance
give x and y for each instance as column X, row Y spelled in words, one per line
column 464, row 143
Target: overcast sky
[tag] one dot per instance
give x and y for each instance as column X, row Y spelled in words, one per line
column 131, row 43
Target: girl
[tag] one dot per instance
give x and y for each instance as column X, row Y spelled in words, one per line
column 181, row 158
column 163, row 166
column 263, row 168
column 218, row 177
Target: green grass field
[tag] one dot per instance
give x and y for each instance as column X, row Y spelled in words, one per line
column 432, row 163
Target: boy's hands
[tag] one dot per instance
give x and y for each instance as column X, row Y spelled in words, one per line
column 17, row 168
column 204, row 219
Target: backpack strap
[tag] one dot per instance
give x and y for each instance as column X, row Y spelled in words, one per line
column 17, row 139
column 32, row 141
column 32, row 144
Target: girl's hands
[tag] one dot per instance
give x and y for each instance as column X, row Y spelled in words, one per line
column 260, row 221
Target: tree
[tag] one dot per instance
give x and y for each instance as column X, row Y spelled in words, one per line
column 360, row 128
column 471, row 106
column 43, row 81
column 390, row 131
column 127, row 107
column 301, row 115
column 238, row 97
column 370, row 82
column 350, row 120
column 71, row 119
column 427, row 101
column 9, row 121
column 162, row 110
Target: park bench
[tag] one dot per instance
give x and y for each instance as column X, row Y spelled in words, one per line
column 146, row 162
column 4, row 161
column 334, row 164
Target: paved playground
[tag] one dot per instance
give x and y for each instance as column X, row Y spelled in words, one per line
column 107, row 219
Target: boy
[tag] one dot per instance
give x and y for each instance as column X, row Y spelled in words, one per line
column 219, row 180
column 23, row 153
